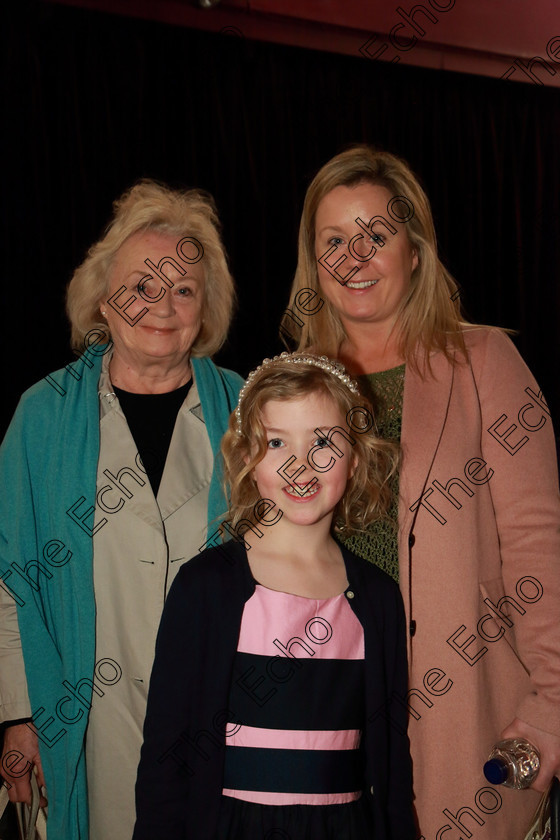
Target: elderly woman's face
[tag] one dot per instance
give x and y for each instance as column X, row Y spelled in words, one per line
column 169, row 328
column 373, row 293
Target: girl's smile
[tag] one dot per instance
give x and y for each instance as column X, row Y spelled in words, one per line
column 304, row 492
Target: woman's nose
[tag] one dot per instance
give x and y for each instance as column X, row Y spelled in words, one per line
column 361, row 249
column 164, row 306
column 345, row 262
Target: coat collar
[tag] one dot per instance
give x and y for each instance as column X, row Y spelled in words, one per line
column 426, row 400
column 180, row 481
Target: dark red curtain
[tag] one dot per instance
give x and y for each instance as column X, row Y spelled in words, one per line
column 92, row 102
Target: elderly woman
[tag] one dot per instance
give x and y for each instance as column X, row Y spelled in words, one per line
column 475, row 542
column 111, row 468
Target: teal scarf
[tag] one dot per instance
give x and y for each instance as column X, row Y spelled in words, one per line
column 48, row 471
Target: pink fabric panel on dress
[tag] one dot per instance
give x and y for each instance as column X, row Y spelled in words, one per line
column 293, row 798
column 295, row 739
column 302, row 627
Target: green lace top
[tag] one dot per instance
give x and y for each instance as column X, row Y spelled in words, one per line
column 379, row 543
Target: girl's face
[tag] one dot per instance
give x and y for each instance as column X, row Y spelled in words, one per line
column 374, row 293
column 306, row 496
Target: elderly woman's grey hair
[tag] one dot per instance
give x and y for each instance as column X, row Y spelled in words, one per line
column 153, row 207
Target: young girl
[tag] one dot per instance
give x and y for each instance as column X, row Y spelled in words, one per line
column 277, row 703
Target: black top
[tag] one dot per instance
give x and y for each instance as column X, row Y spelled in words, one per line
column 151, row 420
column 180, row 777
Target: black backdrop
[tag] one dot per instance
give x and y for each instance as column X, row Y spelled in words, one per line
column 92, row 102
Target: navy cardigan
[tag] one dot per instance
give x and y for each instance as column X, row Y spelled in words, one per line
column 180, row 774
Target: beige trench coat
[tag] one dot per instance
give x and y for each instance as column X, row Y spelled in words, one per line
column 136, row 555
column 479, row 519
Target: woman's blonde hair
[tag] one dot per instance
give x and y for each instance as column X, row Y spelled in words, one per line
column 368, row 492
column 150, row 206
column 430, row 315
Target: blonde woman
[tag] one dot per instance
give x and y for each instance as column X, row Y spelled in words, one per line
column 475, row 539
column 111, row 468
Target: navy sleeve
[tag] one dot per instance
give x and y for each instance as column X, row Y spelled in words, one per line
column 163, row 772
column 401, row 820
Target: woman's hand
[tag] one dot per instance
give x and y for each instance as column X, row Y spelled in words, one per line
column 548, row 745
column 20, row 754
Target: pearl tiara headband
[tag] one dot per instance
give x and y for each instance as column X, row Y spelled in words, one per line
column 323, row 362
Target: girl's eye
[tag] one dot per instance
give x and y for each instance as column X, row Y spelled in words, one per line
column 275, row 443
column 335, row 240
column 378, row 239
column 184, row 291
column 322, row 442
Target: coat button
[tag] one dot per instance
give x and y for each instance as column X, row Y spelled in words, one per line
column 371, row 790
column 349, row 594
column 411, row 540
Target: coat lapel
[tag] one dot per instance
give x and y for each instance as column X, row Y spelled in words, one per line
column 183, row 477
column 186, row 476
column 425, row 406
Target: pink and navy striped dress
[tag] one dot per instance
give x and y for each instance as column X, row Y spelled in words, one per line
column 296, row 713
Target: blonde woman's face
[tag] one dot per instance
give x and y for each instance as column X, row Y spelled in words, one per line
column 171, row 318
column 374, row 266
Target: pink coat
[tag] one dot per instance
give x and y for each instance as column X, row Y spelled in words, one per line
column 479, row 555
